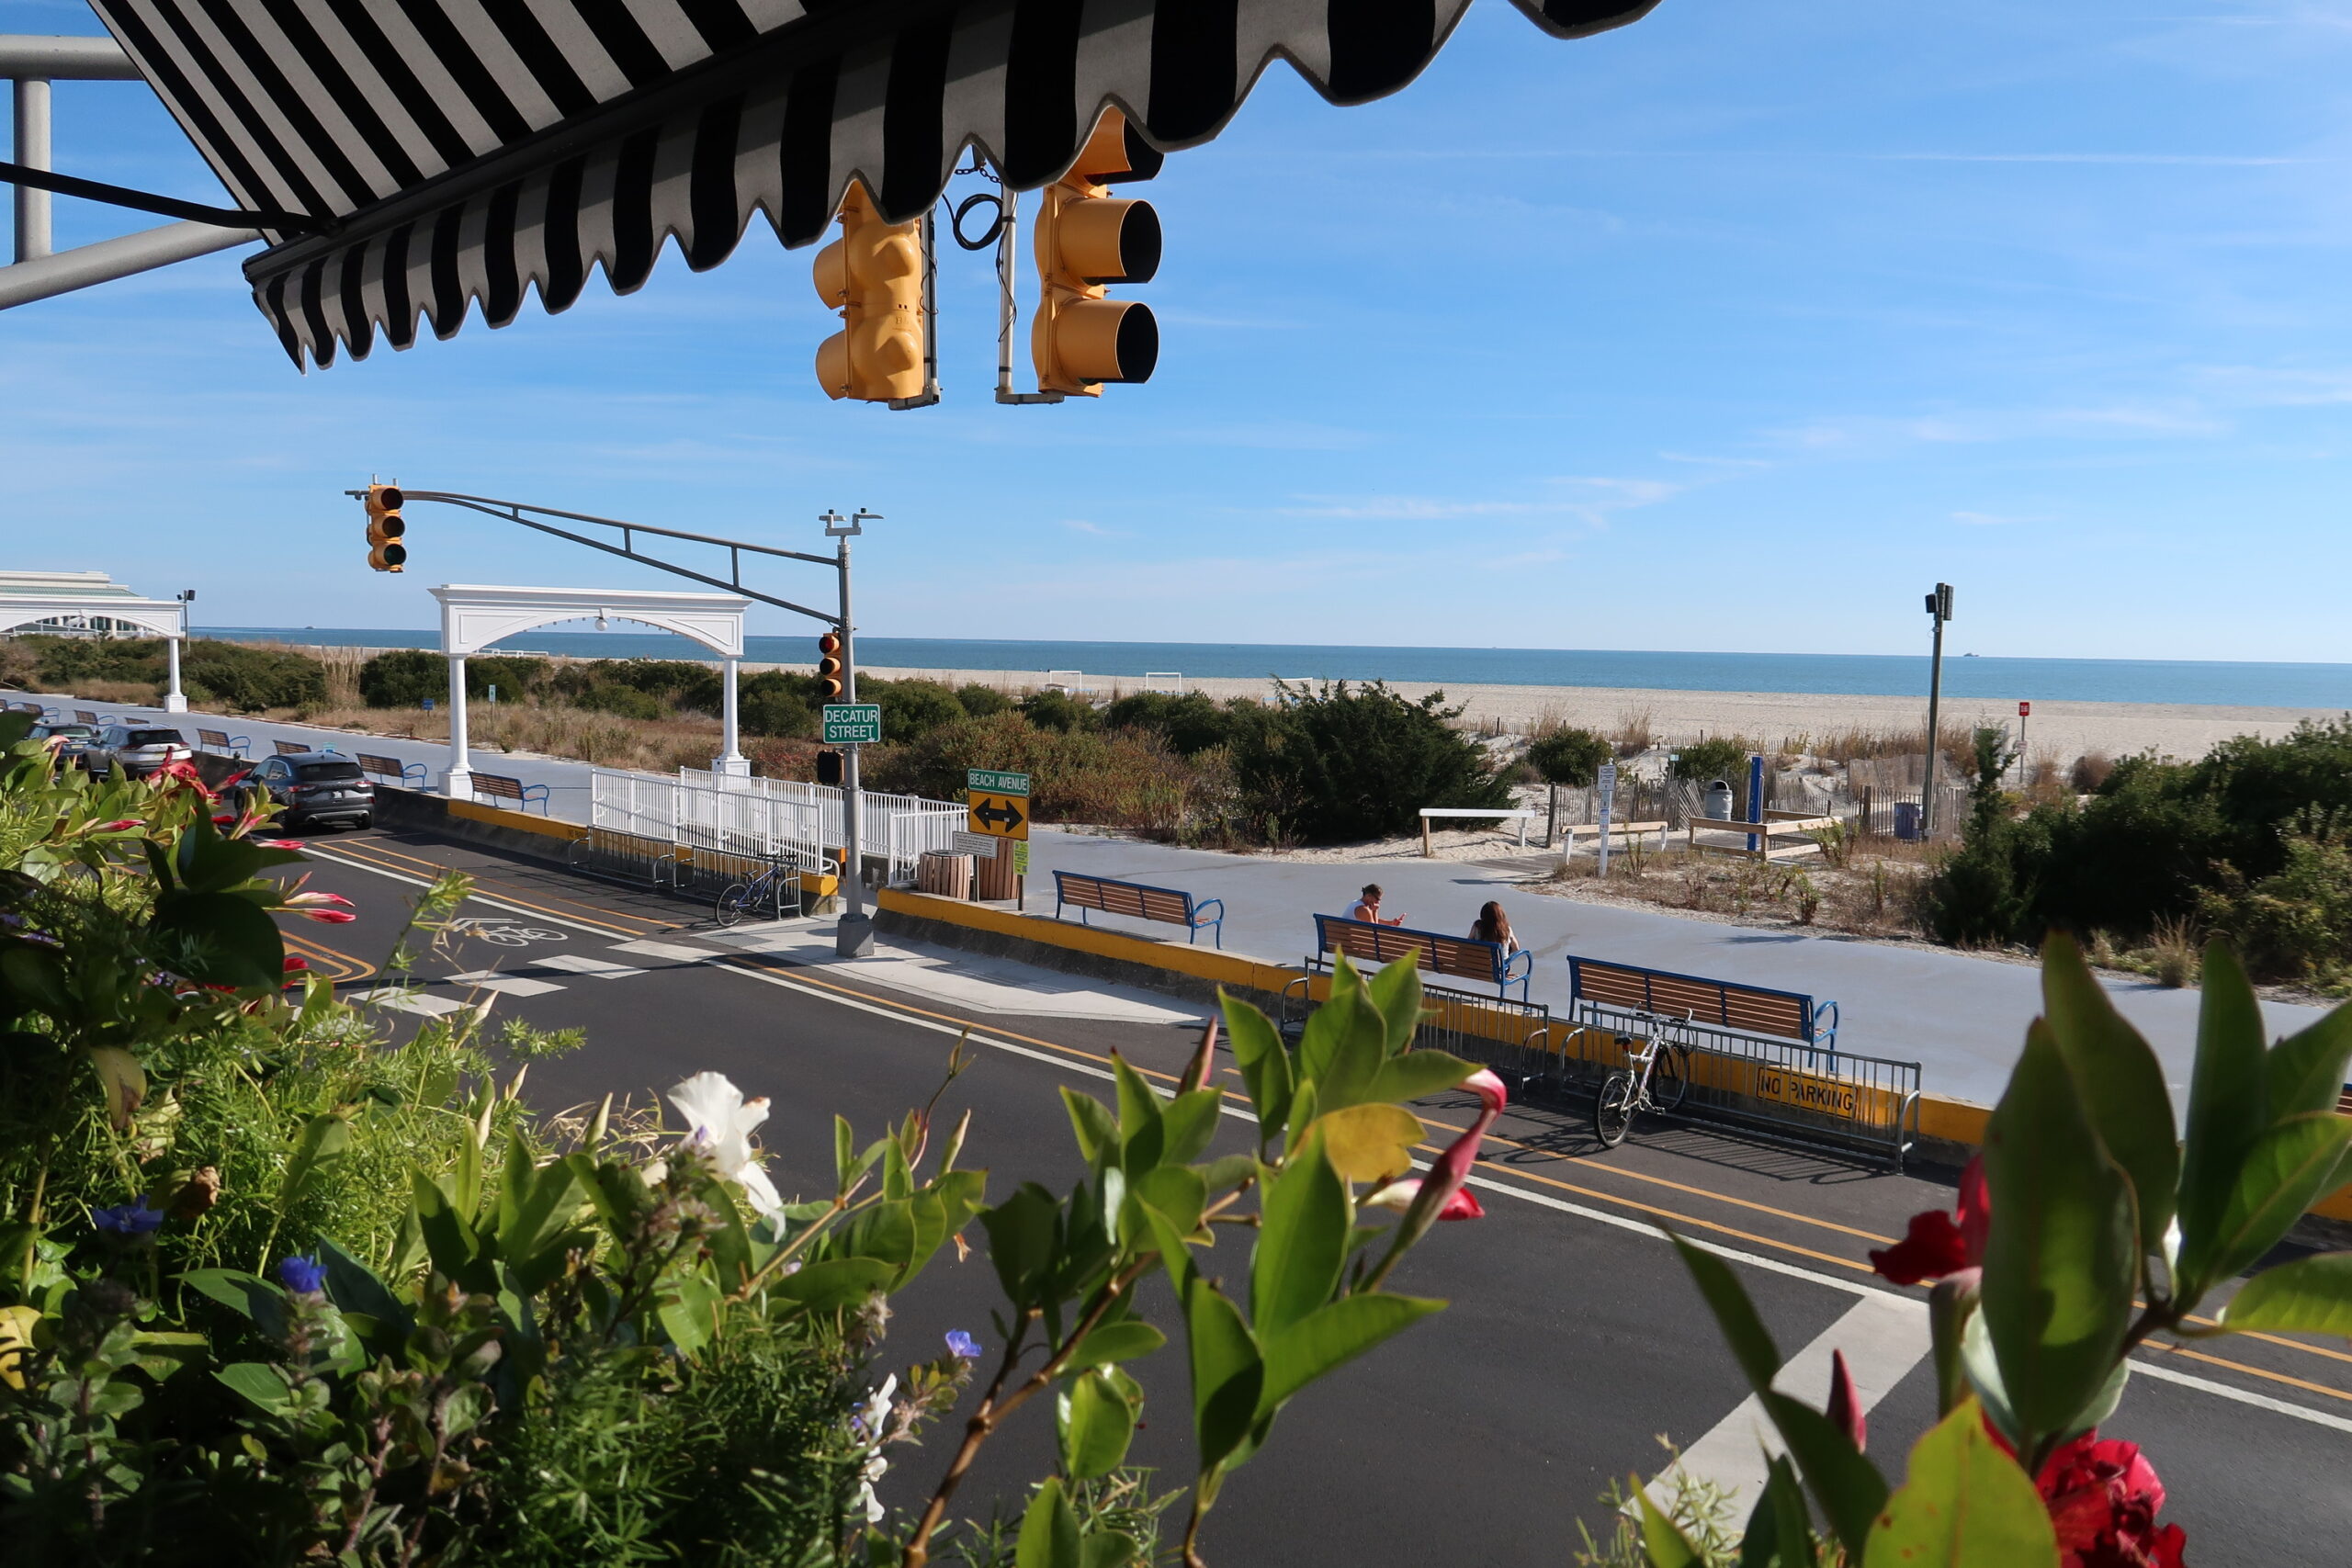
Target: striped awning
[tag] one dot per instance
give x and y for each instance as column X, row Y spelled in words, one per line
column 460, row 151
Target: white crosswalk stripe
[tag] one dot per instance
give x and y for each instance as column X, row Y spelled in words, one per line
column 675, row 953
column 581, row 963
column 505, row 985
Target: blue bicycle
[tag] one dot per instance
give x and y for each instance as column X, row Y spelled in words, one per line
column 763, row 895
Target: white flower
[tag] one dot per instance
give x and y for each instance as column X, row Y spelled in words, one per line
column 869, row 1420
column 722, row 1120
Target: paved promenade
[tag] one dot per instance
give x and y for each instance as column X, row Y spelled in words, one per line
column 1962, row 1017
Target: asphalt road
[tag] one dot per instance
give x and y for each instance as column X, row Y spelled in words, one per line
column 1484, row 1435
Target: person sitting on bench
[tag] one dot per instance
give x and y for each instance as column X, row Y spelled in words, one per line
column 1367, row 907
column 1493, row 925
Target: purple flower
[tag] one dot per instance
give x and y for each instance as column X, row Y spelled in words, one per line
column 963, row 1345
column 128, row 1220
column 302, row 1275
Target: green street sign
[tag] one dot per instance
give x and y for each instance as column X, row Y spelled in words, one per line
column 853, row 723
column 988, row 781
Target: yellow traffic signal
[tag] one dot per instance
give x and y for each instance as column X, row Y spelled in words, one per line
column 873, row 275
column 385, row 529
column 1086, row 238
column 829, row 666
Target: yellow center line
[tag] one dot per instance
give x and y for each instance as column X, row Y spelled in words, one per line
column 2250, row 1371
column 1676, row 1186
column 340, row 965
column 480, row 881
column 505, row 896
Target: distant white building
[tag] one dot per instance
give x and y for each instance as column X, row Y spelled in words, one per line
column 80, row 588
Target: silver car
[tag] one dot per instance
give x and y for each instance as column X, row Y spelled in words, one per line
column 68, row 740
column 139, row 750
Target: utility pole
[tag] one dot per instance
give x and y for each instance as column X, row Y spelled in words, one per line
column 853, row 938
column 1939, row 611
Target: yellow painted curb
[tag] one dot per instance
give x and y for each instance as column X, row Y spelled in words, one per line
column 498, row 817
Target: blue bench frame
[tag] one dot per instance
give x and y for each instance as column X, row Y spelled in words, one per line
column 416, row 773
column 238, row 744
column 529, row 798
column 1196, row 911
column 1818, row 1030
column 1515, row 969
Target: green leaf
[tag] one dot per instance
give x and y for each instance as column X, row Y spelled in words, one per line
column 1021, row 1243
column 1780, row 1531
column 162, row 1354
column 1188, row 1124
column 1345, row 1046
column 1418, row 1073
column 1098, row 1421
column 544, row 1205
column 1302, row 1241
column 2310, row 1296
column 1371, row 1142
column 450, row 1240
column 1176, row 1191
column 1104, row 1548
column 690, row 1305
column 2290, row 1167
column 248, row 1295
column 1139, row 1106
column 1114, row 1342
column 1396, row 993
column 352, row 1287
column 2229, row 1103
column 1331, row 1335
column 219, row 939
column 2307, row 1068
column 1226, row 1371
column 322, row 1141
column 1966, row 1505
column 1226, row 1172
column 1049, row 1530
column 260, row 1384
column 844, row 1155
column 835, row 1282
column 2061, row 1259
column 1264, row 1065
column 1096, row 1128
column 1664, row 1545
column 897, row 1179
column 2120, row 1080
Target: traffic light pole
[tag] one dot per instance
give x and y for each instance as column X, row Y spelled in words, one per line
column 1939, row 611
column 853, row 937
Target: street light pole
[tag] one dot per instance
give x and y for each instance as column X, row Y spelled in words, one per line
column 1939, row 611
column 853, row 938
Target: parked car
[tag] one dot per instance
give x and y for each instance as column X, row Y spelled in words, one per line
column 72, row 740
column 314, row 787
column 139, row 750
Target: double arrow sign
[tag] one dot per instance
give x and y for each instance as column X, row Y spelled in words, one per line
column 991, row 815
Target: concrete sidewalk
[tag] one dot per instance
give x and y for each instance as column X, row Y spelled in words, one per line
column 1963, row 1018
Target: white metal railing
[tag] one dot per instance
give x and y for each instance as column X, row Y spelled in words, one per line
column 770, row 818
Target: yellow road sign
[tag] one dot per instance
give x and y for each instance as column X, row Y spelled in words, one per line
column 1005, row 815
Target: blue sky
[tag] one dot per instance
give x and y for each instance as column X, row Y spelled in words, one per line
column 1733, row 329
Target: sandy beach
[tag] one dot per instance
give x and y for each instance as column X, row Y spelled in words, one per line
column 2069, row 729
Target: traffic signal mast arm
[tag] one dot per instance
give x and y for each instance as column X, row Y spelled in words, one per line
column 513, row 511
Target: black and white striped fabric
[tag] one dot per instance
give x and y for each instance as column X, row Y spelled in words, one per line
column 466, row 150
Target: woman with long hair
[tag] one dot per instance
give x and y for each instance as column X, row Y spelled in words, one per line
column 1494, row 926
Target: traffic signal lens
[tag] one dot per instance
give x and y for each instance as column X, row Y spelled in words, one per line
column 388, row 558
column 384, row 527
column 390, row 498
column 1100, row 340
column 1110, row 241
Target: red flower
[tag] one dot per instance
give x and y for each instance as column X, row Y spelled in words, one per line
column 1938, row 1244
column 184, row 773
column 1845, row 1411
column 2104, row 1498
column 294, row 962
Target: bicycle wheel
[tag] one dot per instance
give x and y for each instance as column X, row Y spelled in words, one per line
column 728, row 907
column 1670, row 1080
column 1612, row 1108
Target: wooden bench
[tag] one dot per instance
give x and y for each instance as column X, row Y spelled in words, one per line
column 1458, row 957
column 296, row 748
column 405, row 775
column 498, row 786
column 84, row 715
column 1166, row 905
column 221, row 740
column 1750, row 1009
column 1775, row 824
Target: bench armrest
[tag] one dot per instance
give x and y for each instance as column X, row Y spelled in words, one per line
column 1518, row 966
column 1201, row 911
column 1825, row 1036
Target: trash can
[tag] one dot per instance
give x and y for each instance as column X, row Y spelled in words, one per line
column 1718, row 802
column 1906, row 819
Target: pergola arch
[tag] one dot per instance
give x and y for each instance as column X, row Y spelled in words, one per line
column 167, row 618
column 475, row 616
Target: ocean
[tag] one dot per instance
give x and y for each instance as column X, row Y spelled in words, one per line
column 2234, row 684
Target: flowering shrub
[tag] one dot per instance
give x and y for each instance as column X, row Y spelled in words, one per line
column 274, row 1289
column 2088, row 1226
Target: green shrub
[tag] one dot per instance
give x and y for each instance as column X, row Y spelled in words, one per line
column 1059, row 710
column 1117, row 779
column 2296, row 923
column 1705, row 761
column 910, row 708
column 1571, row 757
column 981, row 701
column 777, row 702
column 403, row 678
column 670, row 683
column 1335, row 763
column 628, row 702
column 514, row 676
column 63, row 661
column 1191, row 724
column 247, row 679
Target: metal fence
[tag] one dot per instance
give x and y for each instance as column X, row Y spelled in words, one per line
column 728, row 822
column 1781, row 1090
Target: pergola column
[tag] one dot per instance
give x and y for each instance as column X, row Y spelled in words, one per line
column 175, row 700
column 732, row 762
column 457, row 782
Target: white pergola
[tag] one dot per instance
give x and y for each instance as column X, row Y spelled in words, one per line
column 167, row 618
column 474, row 617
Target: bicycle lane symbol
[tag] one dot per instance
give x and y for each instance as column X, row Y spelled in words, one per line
column 502, row 931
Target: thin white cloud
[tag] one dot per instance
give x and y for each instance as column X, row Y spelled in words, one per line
column 1081, row 526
